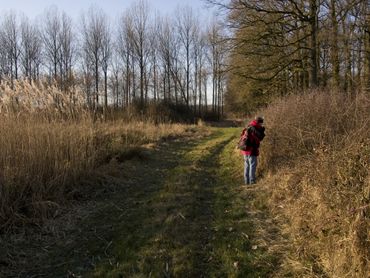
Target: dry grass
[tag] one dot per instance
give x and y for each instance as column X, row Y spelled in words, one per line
column 317, row 150
column 47, row 102
column 50, row 143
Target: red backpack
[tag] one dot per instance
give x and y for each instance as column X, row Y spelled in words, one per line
column 244, row 141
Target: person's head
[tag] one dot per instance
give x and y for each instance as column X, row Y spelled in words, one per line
column 259, row 119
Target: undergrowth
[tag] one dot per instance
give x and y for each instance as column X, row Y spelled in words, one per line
column 316, row 154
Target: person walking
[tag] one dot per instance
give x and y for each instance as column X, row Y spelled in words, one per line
column 251, row 137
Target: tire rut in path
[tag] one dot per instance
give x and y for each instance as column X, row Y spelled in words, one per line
column 188, row 231
column 154, row 220
column 173, row 235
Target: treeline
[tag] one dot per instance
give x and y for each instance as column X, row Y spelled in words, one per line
column 281, row 47
column 142, row 58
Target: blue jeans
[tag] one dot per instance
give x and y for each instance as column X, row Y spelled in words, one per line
column 250, row 166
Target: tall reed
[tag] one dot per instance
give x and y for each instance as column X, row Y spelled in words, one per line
column 50, row 142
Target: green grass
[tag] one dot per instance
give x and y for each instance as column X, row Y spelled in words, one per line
column 198, row 225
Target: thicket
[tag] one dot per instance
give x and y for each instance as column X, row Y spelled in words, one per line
column 317, row 154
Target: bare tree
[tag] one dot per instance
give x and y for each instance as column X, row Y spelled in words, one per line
column 94, row 24
column 365, row 19
column 186, row 26
column 201, row 46
column 213, row 38
column 140, row 40
column 125, row 51
column 51, row 39
column 150, row 59
column 154, row 55
column 106, row 55
column 196, row 57
column 115, row 80
column 68, row 51
column 166, row 52
column 4, row 61
column 11, row 44
column 334, row 43
column 217, row 59
column 30, row 49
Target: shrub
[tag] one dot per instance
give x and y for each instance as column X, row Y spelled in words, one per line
column 318, row 146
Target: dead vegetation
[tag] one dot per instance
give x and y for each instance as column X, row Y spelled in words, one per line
column 317, row 152
column 50, row 143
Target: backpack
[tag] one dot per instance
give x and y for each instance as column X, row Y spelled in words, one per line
column 244, row 141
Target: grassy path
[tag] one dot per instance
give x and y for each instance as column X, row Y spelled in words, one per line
column 182, row 212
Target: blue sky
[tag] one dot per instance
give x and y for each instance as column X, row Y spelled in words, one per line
column 34, row 8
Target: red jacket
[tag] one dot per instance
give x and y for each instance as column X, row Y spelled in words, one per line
column 254, row 138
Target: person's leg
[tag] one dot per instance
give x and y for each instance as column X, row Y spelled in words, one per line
column 246, row 169
column 252, row 168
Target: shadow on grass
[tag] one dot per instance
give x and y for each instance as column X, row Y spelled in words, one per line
column 176, row 214
column 169, row 234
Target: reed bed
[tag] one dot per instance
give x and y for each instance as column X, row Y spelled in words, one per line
column 50, row 143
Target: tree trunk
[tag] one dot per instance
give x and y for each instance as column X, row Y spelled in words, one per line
column 314, row 31
column 96, row 82
column 133, row 78
column 106, row 89
column 367, row 52
column 142, row 82
column 127, row 85
column 334, row 44
column 347, row 59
